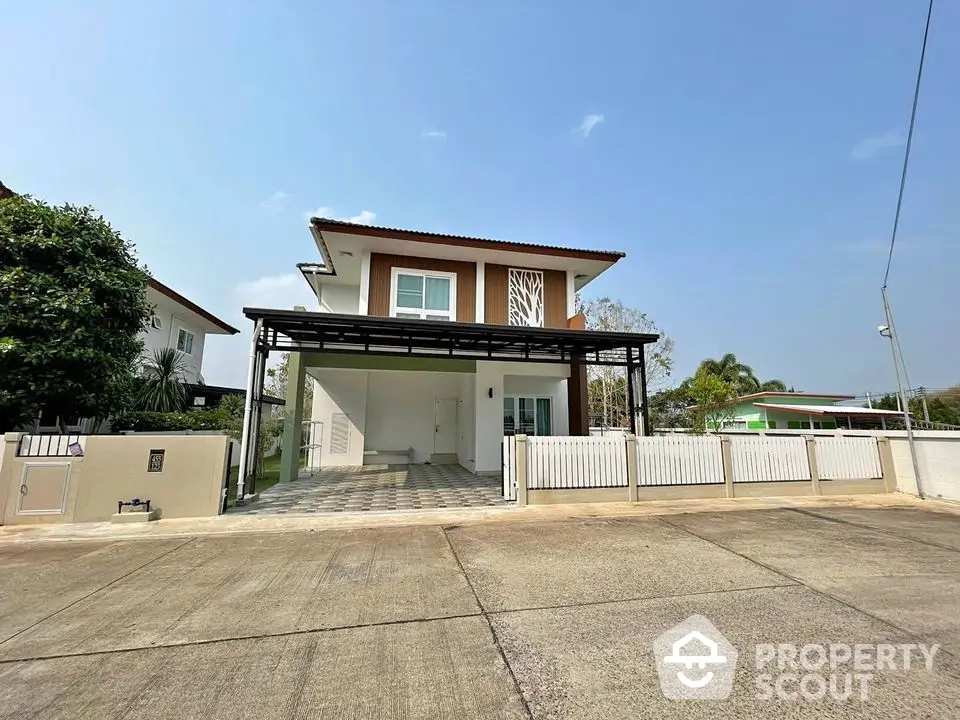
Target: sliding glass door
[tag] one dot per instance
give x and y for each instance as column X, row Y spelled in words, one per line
column 527, row 416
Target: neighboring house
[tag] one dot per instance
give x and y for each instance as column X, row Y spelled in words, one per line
column 176, row 323
column 431, row 348
column 180, row 324
column 802, row 411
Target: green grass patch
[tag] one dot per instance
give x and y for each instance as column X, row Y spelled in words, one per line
column 271, row 476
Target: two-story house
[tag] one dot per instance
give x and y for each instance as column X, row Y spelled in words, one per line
column 176, row 323
column 430, row 348
column 180, row 324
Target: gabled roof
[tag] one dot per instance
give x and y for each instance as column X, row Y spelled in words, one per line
column 341, row 226
column 190, row 305
column 817, row 396
column 829, row 410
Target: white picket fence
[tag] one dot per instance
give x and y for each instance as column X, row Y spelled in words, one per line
column 679, row 460
column 848, row 458
column 569, row 463
column 562, row 463
column 769, row 459
column 509, row 473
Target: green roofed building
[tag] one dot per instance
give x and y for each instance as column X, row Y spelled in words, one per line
column 803, row 411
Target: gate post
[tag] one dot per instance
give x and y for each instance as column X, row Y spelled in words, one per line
column 727, row 464
column 812, row 462
column 521, row 461
column 633, row 473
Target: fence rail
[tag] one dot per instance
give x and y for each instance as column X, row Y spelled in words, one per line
column 50, row 445
column 679, row 460
column 848, row 458
column 769, row 459
column 665, row 463
column 565, row 463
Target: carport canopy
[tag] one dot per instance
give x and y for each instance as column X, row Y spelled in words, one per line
column 331, row 333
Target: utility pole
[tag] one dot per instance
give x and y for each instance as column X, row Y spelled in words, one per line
column 869, row 401
column 923, row 399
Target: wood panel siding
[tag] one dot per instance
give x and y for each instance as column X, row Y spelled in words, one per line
column 495, row 295
column 554, row 299
column 497, row 289
column 381, row 269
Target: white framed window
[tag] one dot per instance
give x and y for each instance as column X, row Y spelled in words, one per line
column 527, row 416
column 155, row 322
column 185, row 341
column 423, row 294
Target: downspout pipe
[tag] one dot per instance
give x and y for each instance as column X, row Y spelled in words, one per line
column 248, row 410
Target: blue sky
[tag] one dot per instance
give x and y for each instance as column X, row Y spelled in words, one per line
column 745, row 155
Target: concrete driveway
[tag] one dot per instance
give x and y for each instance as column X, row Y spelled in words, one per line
column 548, row 619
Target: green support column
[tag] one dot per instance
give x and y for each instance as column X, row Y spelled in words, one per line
column 293, row 419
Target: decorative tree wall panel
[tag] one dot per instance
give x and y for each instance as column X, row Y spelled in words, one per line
column 526, row 298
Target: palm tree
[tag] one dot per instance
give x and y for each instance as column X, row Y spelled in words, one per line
column 729, row 369
column 234, row 404
column 162, row 388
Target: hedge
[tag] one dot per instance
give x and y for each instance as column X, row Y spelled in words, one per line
column 168, row 422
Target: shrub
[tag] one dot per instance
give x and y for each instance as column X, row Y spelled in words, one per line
column 144, row 421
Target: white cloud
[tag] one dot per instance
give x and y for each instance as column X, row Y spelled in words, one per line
column 275, row 291
column 275, row 202
column 225, row 358
column 364, row 218
column 434, row 134
column 588, row 124
column 870, row 147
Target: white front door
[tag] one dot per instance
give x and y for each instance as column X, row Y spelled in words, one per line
column 445, row 426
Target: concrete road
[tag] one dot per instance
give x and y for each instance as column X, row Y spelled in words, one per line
column 492, row 620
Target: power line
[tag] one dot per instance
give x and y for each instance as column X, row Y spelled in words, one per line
column 906, row 154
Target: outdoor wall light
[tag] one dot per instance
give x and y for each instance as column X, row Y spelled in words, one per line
column 490, row 392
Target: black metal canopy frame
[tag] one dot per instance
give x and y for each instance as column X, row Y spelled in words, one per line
column 329, row 333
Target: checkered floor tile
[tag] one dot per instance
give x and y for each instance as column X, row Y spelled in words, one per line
column 379, row 488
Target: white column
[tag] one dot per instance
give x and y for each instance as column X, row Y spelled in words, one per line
column 571, row 294
column 364, row 282
column 481, row 290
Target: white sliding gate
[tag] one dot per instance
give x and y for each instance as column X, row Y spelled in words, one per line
column 566, row 463
column 848, row 458
column 679, row 460
column 769, row 459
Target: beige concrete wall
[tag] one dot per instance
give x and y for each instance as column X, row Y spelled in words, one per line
column 773, row 489
column 583, row 495
column 681, row 492
column 113, row 468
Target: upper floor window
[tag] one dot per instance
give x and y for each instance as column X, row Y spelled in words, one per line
column 423, row 295
column 525, row 298
column 185, row 341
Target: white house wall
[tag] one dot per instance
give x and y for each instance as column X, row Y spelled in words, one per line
column 340, row 392
column 491, row 378
column 342, row 299
column 394, row 409
column 171, row 319
column 466, row 426
column 401, row 407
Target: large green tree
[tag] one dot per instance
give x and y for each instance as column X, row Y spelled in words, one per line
column 714, row 398
column 72, row 305
column 742, row 377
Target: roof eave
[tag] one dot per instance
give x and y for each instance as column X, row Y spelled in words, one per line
column 318, row 225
